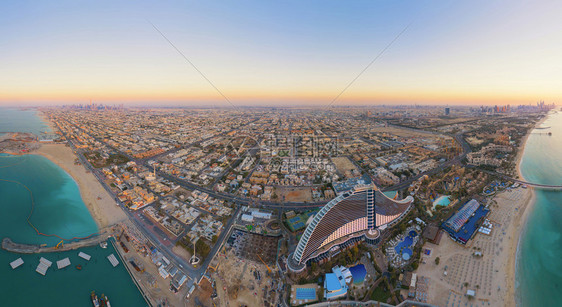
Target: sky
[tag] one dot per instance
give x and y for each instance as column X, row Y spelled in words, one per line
column 280, row 52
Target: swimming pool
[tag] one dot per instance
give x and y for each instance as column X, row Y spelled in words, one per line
column 306, row 293
column 403, row 249
column 406, row 254
column 442, row 201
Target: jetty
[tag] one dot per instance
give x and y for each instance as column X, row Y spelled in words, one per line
column 20, row 248
column 16, row 263
column 61, row 264
column 113, row 260
column 10, row 246
column 43, row 266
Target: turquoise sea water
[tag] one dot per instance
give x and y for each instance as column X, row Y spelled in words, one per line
column 17, row 120
column 539, row 258
column 58, row 209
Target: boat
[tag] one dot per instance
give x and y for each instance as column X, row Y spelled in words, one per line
column 95, row 300
column 104, row 301
column 103, row 244
column 79, row 267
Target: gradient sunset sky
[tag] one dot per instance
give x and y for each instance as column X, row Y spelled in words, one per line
column 280, row 52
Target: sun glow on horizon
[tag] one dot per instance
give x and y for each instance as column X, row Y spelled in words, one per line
column 476, row 53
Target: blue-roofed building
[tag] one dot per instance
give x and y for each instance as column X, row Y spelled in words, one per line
column 358, row 273
column 331, row 283
column 463, row 224
column 335, row 284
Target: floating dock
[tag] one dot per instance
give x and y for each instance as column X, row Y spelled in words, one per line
column 84, row 256
column 63, row 263
column 16, row 263
column 43, row 266
column 113, row 260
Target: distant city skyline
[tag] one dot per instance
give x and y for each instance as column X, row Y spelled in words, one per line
column 280, row 54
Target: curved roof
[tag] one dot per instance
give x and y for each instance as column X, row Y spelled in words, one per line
column 390, row 207
column 331, row 217
column 347, row 214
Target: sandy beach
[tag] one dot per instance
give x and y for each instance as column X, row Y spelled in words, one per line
column 510, row 297
column 489, row 275
column 46, row 120
column 104, row 211
column 492, row 276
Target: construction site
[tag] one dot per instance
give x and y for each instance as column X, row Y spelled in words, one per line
column 18, row 142
column 254, row 247
column 243, row 273
column 135, row 252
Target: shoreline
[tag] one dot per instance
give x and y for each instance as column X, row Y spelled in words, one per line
column 46, row 120
column 104, row 211
column 494, row 274
column 100, row 204
column 102, row 207
column 512, row 296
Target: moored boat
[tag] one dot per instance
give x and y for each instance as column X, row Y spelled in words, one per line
column 95, row 300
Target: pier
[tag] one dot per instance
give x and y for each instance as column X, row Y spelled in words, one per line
column 530, row 184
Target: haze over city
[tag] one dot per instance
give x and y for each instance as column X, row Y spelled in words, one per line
column 280, row 53
column 280, row 153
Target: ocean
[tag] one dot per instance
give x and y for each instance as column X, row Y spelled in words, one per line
column 22, row 120
column 58, row 210
column 539, row 259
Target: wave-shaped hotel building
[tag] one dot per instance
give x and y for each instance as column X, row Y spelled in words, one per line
column 359, row 214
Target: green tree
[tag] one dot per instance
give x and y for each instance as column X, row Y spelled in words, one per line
column 437, row 261
column 313, row 267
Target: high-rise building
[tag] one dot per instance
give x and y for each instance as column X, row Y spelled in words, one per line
column 447, row 111
column 355, row 215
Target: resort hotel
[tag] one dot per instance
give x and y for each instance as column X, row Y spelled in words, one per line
column 358, row 214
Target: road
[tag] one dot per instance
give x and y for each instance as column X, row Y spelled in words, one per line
column 163, row 243
column 456, row 160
